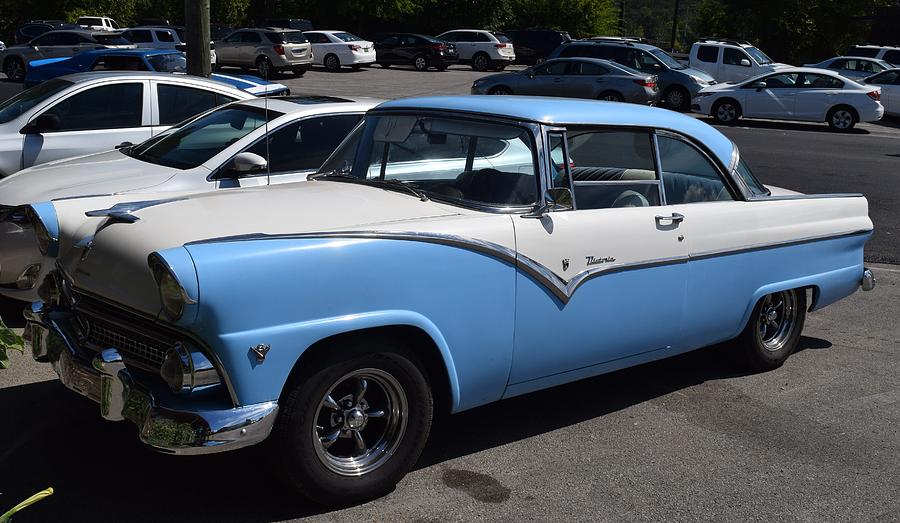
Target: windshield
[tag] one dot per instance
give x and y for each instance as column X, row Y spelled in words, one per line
column 664, row 57
column 758, row 55
column 346, row 37
column 746, row 174
column 111, row 40
column 168, row 63
column 198, row 141
column 24, row 101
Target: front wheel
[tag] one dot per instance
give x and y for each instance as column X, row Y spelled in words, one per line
column 726, row 111
column 501, row 90
column 264, row 67
column 355, row 423
column 774, row 329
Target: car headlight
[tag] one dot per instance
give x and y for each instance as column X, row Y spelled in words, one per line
column 43, row 237
column 701, row 95
column 172, row 295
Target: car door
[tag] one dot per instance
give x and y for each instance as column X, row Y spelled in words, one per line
column 603, row 283
column 44, row 46
column 587, row 80
column 246, row 52
column 174, row 103
column 226, row 50
column 466, row 44
column 817, row 93
column 95, row 119
column 385, row 50
column 736, row 65
column 775, row 100
column 293, row 151
column 546, row 79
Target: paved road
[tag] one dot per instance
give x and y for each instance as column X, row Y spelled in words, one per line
column 688, row 438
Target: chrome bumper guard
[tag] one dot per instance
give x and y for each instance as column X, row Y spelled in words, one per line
column 107, row 381
column 868, row 280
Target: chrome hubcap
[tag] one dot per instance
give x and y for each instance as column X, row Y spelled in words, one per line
column 777, row 318
column 360, row 422
column 675, row 99
column 726, row 112
column 842, row 119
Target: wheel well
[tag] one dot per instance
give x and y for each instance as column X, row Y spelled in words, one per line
column 10, row 59
column 329, row 54
column 725, row 99
column 842, row 106
column 422, row 345
column 497, row 87
column 611, row 91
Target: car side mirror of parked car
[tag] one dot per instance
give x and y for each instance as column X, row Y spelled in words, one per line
column 41, row 124
column 745, row 63
column 555, row 199
column 759, row 86
column 244, row 164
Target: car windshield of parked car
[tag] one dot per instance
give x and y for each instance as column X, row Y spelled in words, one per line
column 346, row 37
column 756, row 187
column 664, row 57
column 287, row 37
column 24, row 101
column 485, row 163
column 760, row 57
column 111, row 39
column 168, row 63
column 196, row 142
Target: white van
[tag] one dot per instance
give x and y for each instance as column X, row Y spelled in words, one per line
column 98, row 23
column 730, row 60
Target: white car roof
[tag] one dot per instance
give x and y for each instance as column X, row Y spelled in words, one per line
column 106, row 76
column 311, row 104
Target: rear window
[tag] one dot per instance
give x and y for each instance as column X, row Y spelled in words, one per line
column 346, row 37
column 502, row 38
column 287, row 37
column 111, row 40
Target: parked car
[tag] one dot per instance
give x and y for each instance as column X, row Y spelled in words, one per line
column 678, row 83
column 533, row 46
column 419, row 51
column 730, row 60
column 161, row 61
column 575, row 78
column 34, row 28
column 482, row 50
column 55, row 44
column 300, row 24
column 334, row 49
column 305, row 321
column 88, row 112
column 268, row 50
column 228, row 147
column 98, row 23
column 890, row 54
column 797, row 93
column 853, row 66
column 163, row 37
column 889, row 82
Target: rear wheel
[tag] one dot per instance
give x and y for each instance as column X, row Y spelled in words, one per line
column 299, row 71
column 481, row 62
column 264, row 67
column 726, row 111
column 420, row 62
column 611, row 96
column 773, row 330
column 332, row 62
column 842, row 118
column 14, row 68
column 355, row 423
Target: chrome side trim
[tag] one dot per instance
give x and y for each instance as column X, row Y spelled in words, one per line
column 765, row 198
column 562, row 289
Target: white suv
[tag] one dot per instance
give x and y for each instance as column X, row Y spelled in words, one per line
column 483, row 50
column 98, row 23
column 730, row 60
column 881, row 52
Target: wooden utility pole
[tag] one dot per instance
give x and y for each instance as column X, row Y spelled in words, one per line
column 196, row 22
column 674, row 27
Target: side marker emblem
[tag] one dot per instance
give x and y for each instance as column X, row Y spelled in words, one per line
column 260, row 351
column 565, row 264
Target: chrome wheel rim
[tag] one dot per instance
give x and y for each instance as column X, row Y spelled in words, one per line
column 675, row 99
column 610, row 98
column 480, row 63
column 726, row 112
column 776, row 320
column 331, row 62
column 14, row 70
column 842, row 119
column 263, row 68
column 421, row 64
column 360, row 422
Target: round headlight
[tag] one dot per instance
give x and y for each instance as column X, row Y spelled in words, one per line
column 171, row 295
column 177, row 369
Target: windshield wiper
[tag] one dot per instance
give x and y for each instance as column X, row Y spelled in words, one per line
column 397, row 183
column 377, row 182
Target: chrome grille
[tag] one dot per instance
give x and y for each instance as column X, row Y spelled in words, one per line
column 135, row 350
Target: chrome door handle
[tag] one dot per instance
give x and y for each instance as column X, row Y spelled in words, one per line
column 674, row 218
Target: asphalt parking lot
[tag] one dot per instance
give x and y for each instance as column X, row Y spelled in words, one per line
column 689, row 438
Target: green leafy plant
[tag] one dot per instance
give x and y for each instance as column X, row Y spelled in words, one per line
column 9, row 340
column 6, row 517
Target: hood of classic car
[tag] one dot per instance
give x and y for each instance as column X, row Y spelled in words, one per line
column 116, row 267
column 102, row 173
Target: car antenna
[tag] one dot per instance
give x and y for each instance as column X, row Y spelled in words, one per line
column 266, row 111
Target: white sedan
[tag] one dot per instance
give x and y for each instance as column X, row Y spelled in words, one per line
column 86, row 113
column 889, row 82
column 334, row 49
column 798, row 93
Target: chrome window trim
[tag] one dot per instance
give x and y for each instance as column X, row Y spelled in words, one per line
column 725, row 175
column 546, row 131
column 560, row 288
column 658, row 164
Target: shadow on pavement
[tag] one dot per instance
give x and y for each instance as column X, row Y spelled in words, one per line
column 11, row 312
column 101, row 473
column 784, row 126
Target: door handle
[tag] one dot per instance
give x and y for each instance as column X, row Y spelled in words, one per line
column 673, row 218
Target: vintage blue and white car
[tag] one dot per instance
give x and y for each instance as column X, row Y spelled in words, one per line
column 456, row 251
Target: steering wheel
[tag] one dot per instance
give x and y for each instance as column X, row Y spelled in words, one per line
column 630, row 198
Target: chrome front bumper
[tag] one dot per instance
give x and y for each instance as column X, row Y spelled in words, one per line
column 107, row 381
column 868, row 280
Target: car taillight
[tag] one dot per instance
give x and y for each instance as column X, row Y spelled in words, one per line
column 279, row 49
column 354, row 47
column 646, row 83
column 875, row 95
column 437, row 47
column 501, row 46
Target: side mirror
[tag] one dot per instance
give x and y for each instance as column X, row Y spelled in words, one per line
column 43, row 123
column 759, row 86
column 744, row 62
column 555, row 200
column 124, row 145
column 244, row 164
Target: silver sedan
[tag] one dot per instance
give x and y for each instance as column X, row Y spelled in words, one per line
column 575, row 78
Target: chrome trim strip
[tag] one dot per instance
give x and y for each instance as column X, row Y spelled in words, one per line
column 562, row 289
column 767, row 198
column 657, row 164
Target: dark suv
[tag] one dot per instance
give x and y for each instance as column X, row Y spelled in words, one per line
column 678, row 83
column 419, row 51
column 533, row 46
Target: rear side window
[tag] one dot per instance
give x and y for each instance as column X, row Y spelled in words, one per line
column 178, row 103
column 118, row 106
column 250, row 37
column 502, row 38
column 734, row 56
column 317, row 38
column 139, row 36
column 111, row 39
column 892, row 57
column 553, row 68
column 688, row 175
column 819, row 81
column 588, row 69
column 708, row 53
column 304, row 145
column 612, row 169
